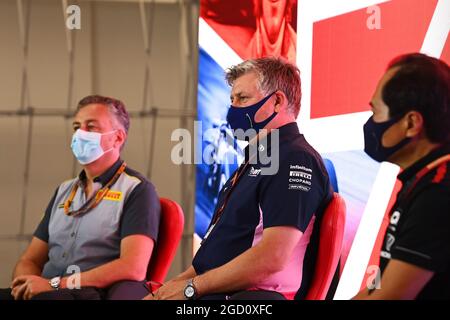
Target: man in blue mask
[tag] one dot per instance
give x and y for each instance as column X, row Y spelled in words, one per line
column 263, row 235
column 98, row 232
column 410, row 128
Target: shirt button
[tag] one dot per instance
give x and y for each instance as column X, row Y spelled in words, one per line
column 72, row 234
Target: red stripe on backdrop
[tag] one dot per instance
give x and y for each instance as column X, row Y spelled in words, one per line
column 348, row 58
column 446, row 52
column 375, row 256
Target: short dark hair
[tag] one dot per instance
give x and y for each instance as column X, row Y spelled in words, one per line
column 115, row 107
column 422, row 84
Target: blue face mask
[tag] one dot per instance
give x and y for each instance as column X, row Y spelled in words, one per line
column 244, row 117
column 373, row 133
column 86, row 146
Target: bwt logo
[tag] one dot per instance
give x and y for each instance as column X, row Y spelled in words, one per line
column 254, row 172
column 73, row 20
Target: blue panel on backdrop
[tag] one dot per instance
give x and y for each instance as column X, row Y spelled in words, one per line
column 213, row 103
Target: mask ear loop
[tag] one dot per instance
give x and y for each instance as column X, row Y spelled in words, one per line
column 249, row 120
column 274, row 114
column 112, row 148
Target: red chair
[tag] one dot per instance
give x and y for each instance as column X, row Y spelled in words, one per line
column 169, row 236
column 330, row 246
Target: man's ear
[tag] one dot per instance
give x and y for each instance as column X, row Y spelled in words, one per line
column 415, row 124
column 120, row 138
column 280, row 100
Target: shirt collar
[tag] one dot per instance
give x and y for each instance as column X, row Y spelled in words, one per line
column 412, row 170
column 106, row 176
column 286, row 132
column 289, row 131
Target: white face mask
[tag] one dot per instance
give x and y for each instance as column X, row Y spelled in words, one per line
column 86, row 146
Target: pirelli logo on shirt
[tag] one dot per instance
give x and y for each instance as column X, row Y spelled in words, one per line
column 113, row 196
column 300, row 174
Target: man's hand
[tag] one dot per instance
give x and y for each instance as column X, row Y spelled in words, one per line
column 400, row 281
column 26, row 287
column 172, row 290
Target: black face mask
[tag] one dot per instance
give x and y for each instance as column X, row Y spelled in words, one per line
column 373, row 133
column 244, row 117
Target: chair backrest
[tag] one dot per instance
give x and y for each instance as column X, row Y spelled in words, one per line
column 170, row 231
column 331, row 174
column 330, row 246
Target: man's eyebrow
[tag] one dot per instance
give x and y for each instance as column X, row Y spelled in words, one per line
column 88, row 121
column 239, row 94
column 236, row 94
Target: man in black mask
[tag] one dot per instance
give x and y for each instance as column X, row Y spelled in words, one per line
column 409, row 127
column 264, row 232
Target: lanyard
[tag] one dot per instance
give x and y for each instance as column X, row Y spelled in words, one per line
column 220, row 211
column 442, row 160
column 234, row 180
column 95, row 199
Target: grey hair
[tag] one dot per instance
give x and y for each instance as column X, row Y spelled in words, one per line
column 115, row 107
column 273, row 74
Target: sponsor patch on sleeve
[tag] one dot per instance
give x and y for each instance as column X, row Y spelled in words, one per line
column 300, row 178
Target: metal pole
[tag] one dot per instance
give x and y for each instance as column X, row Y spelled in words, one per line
column 152, row 143
column 147, row 28
column 70, row 42
column 163, row 112
column 24, row 23
column 26, row 174
column 187, row 172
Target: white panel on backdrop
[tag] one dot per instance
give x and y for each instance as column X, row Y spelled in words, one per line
column 221, row 52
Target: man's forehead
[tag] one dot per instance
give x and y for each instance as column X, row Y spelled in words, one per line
column 92, row 112
column 377, row 95
column 377, row 102
column 386, row 77
column 245, row 83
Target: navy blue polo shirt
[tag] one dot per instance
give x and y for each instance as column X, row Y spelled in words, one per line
column 295, row 196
